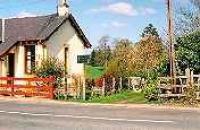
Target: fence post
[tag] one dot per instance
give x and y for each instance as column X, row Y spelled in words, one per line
column 129, row 82
column 192, row 77
column 103, row 87
column 12, row 86
column 113, row 84
column 84, row 88
column 52, row 87
column 51, row 92
column 120, row 83
column 187, row 74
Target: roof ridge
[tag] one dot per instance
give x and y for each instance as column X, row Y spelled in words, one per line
column 13, row 18
column 36, row 28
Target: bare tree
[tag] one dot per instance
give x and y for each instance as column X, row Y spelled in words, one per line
column 188, row 18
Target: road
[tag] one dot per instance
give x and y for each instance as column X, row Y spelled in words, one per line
column 15, row 115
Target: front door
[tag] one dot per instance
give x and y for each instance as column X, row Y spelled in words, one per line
column 11, row 65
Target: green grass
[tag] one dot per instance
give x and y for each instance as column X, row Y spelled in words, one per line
column 93, row 72
column 127, row 97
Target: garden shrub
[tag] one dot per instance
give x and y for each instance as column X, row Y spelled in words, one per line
column 151, row 91
column 51, row 67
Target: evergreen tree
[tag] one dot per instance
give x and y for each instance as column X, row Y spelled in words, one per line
column 92, row 59
column 150, row 30
column 103, row 52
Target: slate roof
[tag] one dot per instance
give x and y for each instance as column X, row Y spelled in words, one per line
column 35, row 28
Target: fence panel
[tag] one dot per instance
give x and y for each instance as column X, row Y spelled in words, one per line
column 28, row 87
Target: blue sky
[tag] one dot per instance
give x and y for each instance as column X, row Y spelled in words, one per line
column 116, row 18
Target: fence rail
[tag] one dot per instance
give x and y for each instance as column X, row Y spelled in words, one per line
column 29, row 87
column 168, row 89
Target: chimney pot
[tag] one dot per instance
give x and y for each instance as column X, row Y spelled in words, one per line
column 63, row 7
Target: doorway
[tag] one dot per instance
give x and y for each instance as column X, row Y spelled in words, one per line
column 11, row 65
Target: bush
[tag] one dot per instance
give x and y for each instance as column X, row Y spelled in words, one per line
column 191, row 96
column 151, row 91
column 50, row 67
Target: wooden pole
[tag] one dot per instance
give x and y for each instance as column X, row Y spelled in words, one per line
column 120, row 83
column 171, row 38
column 84, row 88
column 12, row 81
column 103, row 87
column 192, row 77
column 188, row 75
column 113, row 84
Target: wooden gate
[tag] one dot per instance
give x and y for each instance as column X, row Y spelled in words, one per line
column 28, row 87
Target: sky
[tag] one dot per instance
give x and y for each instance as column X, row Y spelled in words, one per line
column 114, row 18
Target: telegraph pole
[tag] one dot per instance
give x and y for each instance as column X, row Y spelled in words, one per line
column 171, row 39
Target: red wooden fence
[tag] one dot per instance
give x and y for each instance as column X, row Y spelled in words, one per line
column 28, row 87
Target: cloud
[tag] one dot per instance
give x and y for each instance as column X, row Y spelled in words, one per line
column 121, row 8
column 114, row 25
column 125, row 9
column 118, row 24
column 148, row 11
column 23, row 14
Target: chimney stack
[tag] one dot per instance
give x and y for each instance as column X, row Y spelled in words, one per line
column 3, row 30
column 63, row 7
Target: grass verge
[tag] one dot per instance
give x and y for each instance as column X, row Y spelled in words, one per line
column 126, row 97
column 93, row 72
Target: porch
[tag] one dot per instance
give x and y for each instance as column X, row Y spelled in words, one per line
column 20, row 60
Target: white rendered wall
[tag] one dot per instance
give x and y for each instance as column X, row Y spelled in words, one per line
column 3, row 68
column 66, row 36
column 20, row 61
column 39, row 54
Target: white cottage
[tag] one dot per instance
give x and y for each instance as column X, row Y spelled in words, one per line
column 24, row 42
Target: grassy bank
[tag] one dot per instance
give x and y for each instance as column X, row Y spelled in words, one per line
column 121, row 98
column 93, row 72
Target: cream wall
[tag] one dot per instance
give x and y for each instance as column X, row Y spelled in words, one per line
column 39, row 54
column 66, row 36
column 20, row 61
column 3, row 68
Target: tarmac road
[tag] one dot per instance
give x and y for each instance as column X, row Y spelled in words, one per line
column 20, row 115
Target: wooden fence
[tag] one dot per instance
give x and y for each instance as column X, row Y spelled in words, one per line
column 28, row 87
column 167, row 89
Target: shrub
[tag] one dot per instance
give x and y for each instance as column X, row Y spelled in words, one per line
column 151, row 91
column 191, row 96
column 50, row 67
